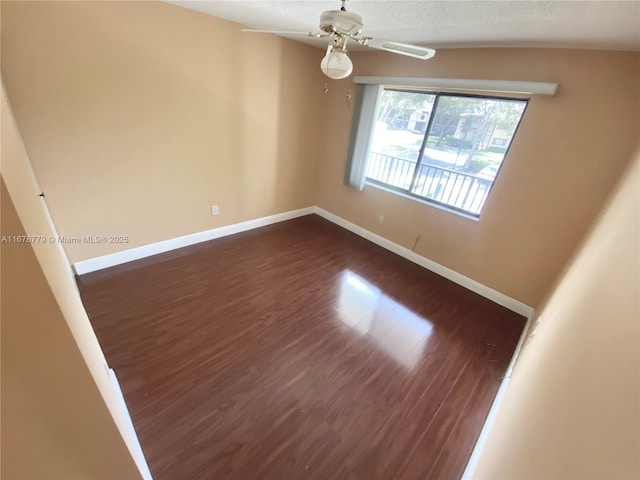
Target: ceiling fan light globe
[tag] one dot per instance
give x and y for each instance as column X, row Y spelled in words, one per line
column 336, row 65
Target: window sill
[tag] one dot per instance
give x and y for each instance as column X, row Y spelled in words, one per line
column 423, row 202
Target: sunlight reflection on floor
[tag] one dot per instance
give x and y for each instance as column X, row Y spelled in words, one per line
column 398, row 331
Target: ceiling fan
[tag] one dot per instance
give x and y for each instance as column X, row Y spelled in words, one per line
column 342, row 26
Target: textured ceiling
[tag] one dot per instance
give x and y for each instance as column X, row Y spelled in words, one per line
column 607, row 24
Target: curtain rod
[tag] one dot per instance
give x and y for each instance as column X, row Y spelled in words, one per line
column 508, row 86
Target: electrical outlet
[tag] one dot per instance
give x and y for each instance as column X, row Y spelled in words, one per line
column 380, row 219
column 215, row 210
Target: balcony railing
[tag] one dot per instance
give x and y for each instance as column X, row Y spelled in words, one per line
column 463, row 191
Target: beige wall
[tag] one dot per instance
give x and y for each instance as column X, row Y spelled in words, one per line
column 572, row 407
column 138, row 116
column 54, row 422
column 569, row 151
column 23, row 355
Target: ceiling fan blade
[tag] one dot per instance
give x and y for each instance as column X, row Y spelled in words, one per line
column 279, row 32
column 401, row 48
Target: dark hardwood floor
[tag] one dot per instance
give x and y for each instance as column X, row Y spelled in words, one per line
column 299, row 351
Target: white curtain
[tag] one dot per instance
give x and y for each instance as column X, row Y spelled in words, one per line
column 367, row 97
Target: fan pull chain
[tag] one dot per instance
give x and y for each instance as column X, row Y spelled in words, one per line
column 349, row 98
column 325, row 89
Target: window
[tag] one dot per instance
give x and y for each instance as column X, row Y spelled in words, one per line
column 439, row 147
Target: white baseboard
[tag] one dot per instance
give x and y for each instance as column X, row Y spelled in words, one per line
column 493, row 295
column 472, row 464
column 113, row 259
column 141, row 462
column 98, row 263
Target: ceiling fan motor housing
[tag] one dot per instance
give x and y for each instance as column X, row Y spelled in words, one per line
column 341, row 22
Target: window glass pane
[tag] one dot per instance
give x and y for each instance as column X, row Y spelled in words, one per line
column 466, row 144
column 401, row 123
column 465, row 149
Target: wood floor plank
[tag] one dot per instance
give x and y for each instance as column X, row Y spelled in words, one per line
column 299, row 350
column 457, row 449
